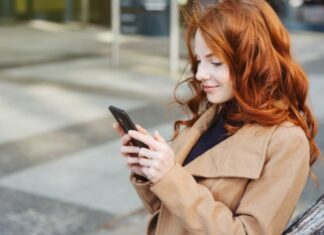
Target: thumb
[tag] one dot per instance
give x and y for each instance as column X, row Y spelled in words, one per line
column 158, row 136
column 141, row 129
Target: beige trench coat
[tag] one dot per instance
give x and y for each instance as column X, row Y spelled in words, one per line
column 248, row 184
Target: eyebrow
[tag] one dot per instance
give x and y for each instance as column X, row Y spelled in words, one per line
column 207, row 56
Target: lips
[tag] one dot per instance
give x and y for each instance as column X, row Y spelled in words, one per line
column 208, row 88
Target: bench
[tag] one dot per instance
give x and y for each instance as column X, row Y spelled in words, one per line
column 310, row 222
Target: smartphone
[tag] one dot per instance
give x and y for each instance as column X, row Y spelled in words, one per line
column 126, row 124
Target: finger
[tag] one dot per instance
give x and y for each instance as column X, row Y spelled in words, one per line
column 146, row 139
column 146, row 172
column 137, row 169
column 142, row 130
column 129, row 149
column 147, row 162
column 148, row 153
column 125, row 140
column 119, row 130
column 132, row 160
column 158, row 137
column 149, row 172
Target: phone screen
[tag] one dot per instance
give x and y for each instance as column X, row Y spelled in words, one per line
column 126, row 123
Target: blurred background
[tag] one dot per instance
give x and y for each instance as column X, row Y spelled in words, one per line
column 62, row 62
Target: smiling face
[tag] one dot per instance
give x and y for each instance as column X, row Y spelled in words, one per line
column 213, row 74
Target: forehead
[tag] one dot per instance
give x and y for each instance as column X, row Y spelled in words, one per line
column 200, row 46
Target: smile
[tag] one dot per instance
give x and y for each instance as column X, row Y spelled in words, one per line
column 210, row 88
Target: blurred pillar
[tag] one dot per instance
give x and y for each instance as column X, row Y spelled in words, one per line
column 289, row 12
column 85, row 13
column 68, row 14
column 174, row 37
column 6, row 9
column 115, row 21
column 30, row 9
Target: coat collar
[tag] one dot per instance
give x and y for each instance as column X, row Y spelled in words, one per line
column 240, row 155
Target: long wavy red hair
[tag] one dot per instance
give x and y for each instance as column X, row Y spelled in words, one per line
column 269, row 86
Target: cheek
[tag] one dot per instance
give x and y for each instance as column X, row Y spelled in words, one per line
column 221, row 74
column 225, row 80
column 230, row 91
column 229, row 87
column 210, row 70
column 229, row 83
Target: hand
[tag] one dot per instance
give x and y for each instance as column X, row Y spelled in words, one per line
column 129, row 151
column 157, row 160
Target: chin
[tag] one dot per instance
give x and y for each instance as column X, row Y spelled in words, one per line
column 218, row 100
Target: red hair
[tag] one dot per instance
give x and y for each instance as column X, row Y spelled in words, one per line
column 269, row 86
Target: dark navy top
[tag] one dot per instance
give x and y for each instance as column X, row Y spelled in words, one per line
column 215, row 134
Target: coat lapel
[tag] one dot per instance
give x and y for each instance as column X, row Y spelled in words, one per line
column 240, row 155
column 185, row 141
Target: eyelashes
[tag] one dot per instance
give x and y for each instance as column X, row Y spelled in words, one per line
column 213, row 63
column 217, row 63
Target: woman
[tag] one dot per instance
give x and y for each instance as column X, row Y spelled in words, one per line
column 242, row 160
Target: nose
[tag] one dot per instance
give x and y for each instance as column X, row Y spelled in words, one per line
column 202, row 73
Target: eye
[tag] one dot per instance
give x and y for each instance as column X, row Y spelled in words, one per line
column 198, row 61
column 217, row 64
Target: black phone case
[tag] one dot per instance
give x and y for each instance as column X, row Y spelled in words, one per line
column 126, row 123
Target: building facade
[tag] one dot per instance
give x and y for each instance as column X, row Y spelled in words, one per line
column 142, row 16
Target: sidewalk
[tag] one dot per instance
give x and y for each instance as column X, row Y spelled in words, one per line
column 80, row 60
column 83, row 57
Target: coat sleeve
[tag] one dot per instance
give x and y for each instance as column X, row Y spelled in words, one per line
column 267, row 203
column 150, row 201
